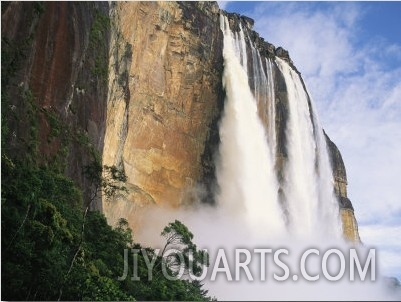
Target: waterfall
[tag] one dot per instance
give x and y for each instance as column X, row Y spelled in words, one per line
column 264, row 94
column 309, row 188
column 328, row 208
column 301, row 188
column 271, row 100
column 245, row 173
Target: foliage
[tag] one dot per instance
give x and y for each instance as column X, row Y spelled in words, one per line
column 180, row 238
column 108, row 180
column 41, row 224
column 97, row 39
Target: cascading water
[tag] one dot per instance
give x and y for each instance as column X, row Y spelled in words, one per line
column 246, row 174
column 264, row 94
column 328, row 209
column 311, row 203
column 271, row 108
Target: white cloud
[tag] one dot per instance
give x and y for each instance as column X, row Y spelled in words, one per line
column 390, row 246
column 364, row 120
column 320, row 38
column 356, row 86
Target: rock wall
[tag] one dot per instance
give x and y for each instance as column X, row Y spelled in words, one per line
column 349, row 222
column 138, row 84
column 164, row 98
column 53, row 82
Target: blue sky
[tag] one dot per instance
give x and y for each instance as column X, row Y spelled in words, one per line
column 349, row 54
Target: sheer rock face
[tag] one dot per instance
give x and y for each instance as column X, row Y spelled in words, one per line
column 350, row 225
column 159, row 128
column 49, row 60
column 145, row 90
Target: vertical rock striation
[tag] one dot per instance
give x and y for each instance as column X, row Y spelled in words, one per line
column 165, row 97
column 54, row 72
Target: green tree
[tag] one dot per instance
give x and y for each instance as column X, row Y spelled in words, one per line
column 107, row 180
column 179, row 239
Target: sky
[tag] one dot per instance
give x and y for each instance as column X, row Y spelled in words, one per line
column 349, row 55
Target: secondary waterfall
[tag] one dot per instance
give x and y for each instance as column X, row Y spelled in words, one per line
column 246, row 172
column 308, row 187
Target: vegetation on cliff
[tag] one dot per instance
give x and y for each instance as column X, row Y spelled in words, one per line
column 48, row 255
column 53, row 247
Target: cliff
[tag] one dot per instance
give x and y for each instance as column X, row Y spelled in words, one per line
column 350, row 225
column 165, row 97
column 54, row 79
column 139, row 84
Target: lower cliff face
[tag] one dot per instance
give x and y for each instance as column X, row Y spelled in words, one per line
column 140, row 84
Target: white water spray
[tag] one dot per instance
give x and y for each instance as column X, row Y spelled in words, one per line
column 264, row 94
column 245, row 174
column 312, row 206
column 271, row 99
column 328, row 209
